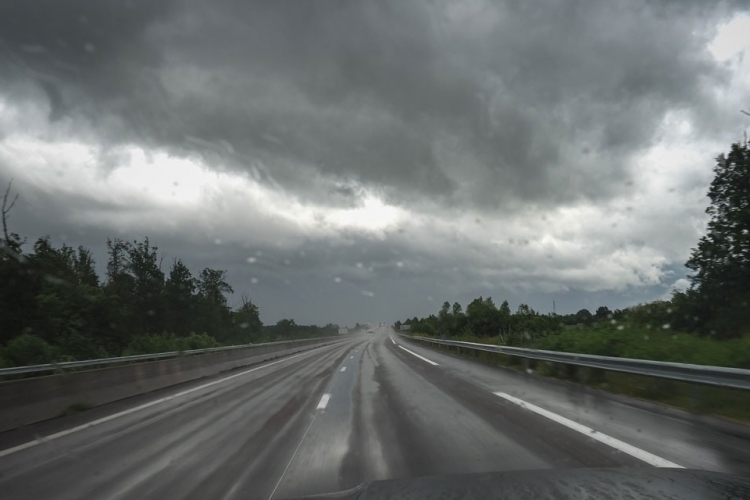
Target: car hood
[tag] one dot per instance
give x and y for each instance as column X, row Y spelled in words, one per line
column 622, row 483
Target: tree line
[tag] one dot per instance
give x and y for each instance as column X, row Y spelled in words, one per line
column 714, row 307
column 55, row 307
column 484, row 319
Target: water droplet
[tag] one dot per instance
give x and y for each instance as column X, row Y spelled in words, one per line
column 258, row 253
column 620, row 327
column 287, row 262
column 151, row 312
column 359, row 265
column 89, row 47
column 645, row 337
column 253, row 280
column 665, row 326
column 399, row 264
column 251, row 260
column 368, row 293
column 429, row 297
column 244, row 325
column 217, row 241
column 337, row 279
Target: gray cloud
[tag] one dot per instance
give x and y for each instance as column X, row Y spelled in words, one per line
column 544, row 103
column 494, row 112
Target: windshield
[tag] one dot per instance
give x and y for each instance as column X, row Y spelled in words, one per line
column 272, row 249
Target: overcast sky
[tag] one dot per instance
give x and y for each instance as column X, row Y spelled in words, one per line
column 366, row 160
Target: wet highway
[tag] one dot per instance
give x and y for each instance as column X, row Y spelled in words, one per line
column 371, row 407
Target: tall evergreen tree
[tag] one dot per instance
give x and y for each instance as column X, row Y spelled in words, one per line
column 721, row 262
column 180, row 300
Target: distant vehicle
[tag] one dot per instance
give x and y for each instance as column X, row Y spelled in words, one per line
column 370, row 331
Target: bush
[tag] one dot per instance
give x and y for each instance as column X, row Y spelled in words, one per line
column 28, row 349
column 78, row 347
column 167, row 342
column 198, row 341
column 658, row 344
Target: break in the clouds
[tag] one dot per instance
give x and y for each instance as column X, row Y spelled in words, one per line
column 363, row 160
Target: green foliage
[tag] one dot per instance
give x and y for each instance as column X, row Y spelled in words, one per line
column 28, row 349
column 53, row 306
column 721, row 261
column 168, row 342
column 655, row 343
column 288, row 329
column 484, row 320
column 646, row 331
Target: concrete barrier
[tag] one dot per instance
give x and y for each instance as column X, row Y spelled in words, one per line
column 31, row 400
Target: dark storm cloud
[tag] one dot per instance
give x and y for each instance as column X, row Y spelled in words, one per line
column 477, row 104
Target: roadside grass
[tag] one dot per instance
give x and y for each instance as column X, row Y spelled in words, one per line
column 640, row 343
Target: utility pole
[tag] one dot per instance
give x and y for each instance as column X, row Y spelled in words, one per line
column 554, row 311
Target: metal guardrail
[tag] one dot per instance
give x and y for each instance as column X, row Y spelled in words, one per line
column 89, row 363
column 736, row 378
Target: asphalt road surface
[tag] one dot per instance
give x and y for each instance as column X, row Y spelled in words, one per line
column 371, row 407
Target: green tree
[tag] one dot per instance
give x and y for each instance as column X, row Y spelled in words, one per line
column 444, row 319
column 85, row 268
column 70, row 308
column 246, row 321
column 482, row 317
column 721, row 261
column 602, row 312
column 12, row 242
column 119, row 282
column 212, row 286
column 179, row 300
column 213, row 314
column 504, row 315
column 144, row 265
column 584, row 316
column 27, row 349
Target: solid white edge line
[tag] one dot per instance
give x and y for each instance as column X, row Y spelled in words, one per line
column 343, row 369
column 102, row 420
column 417, row 355
column 323, row 402
column 615, row 443
column 394, row 342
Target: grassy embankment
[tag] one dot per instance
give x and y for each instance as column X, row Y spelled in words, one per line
column 641, row 343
